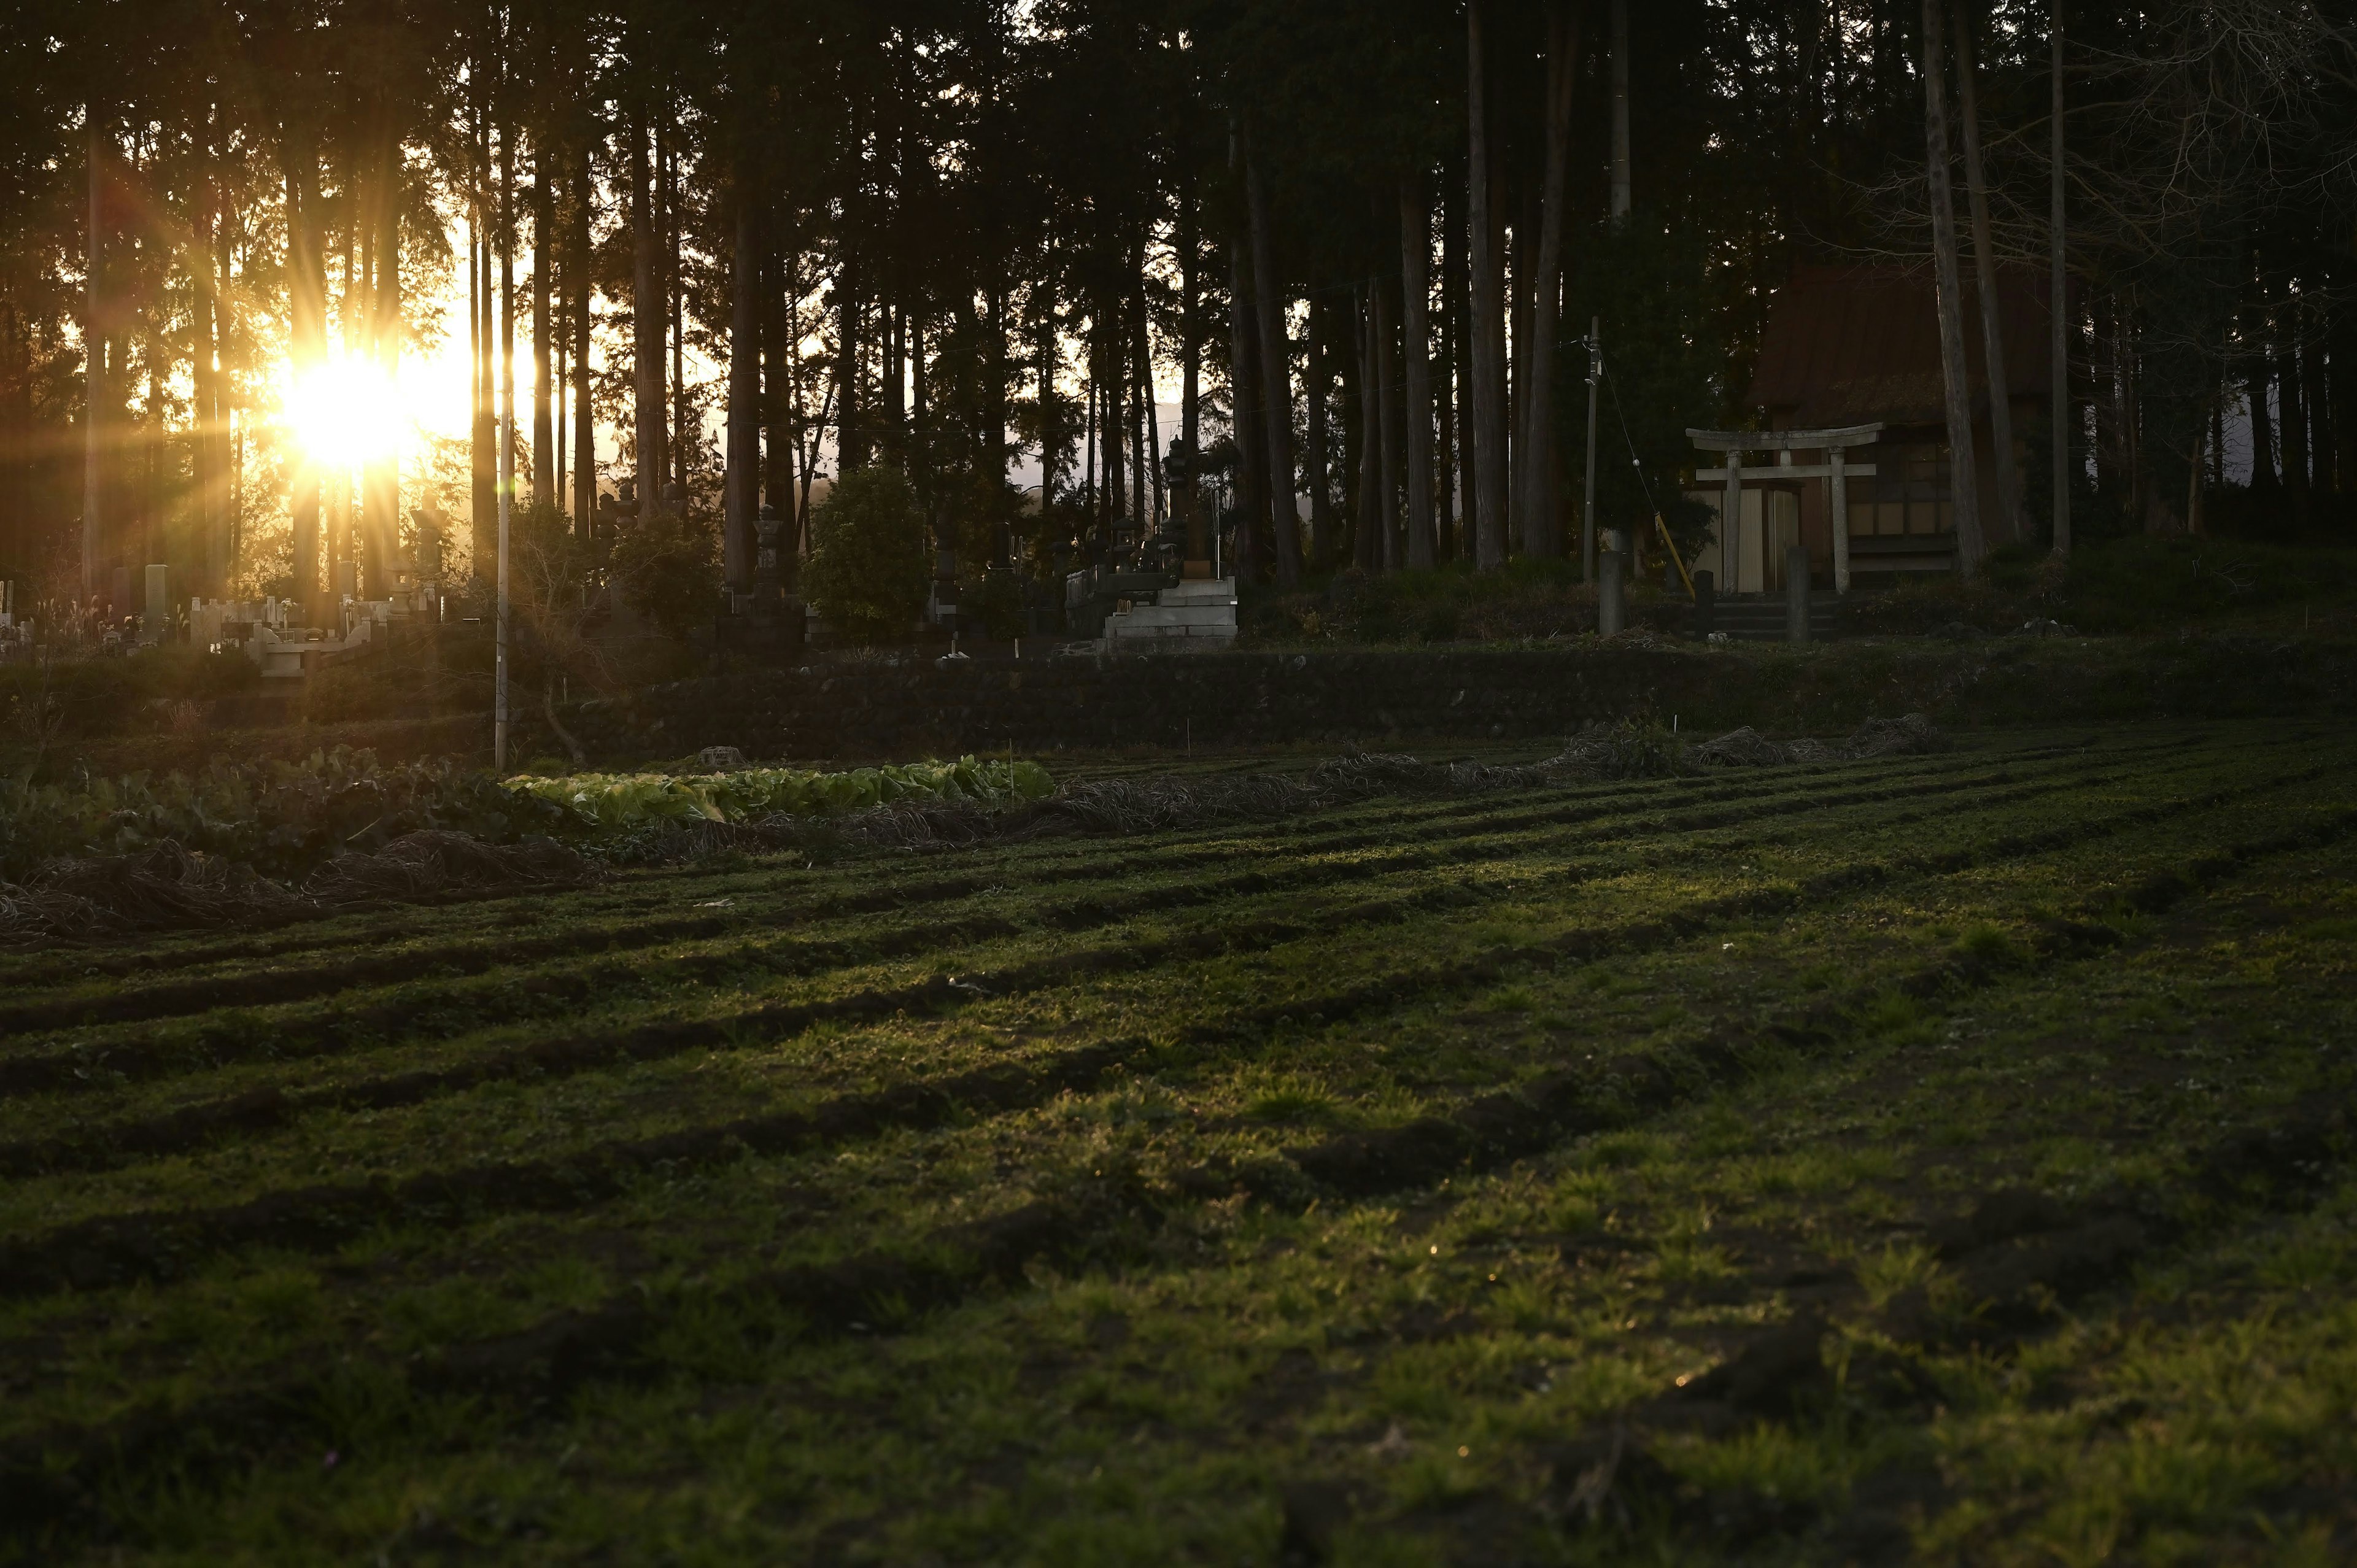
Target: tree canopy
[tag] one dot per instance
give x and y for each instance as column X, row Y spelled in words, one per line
column 729, row 251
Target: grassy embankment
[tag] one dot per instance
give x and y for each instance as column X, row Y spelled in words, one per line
column 1945, row 1153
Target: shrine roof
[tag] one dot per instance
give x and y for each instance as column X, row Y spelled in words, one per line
column 1848, row 344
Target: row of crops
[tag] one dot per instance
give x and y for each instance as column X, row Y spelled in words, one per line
column 286, row 818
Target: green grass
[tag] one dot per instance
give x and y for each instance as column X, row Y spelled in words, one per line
column 1099, row 1202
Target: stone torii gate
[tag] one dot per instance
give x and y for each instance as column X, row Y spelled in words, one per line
column 1833, row 471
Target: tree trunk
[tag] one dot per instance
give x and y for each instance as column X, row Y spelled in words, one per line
column 227, row 424
column 205, row 415
column 1486, row 289
column 1051, row 415
column 506, row 443
column 543, row 336
column 1387, row 402
column 1456, row 455
column 1244, row 377
column 2344, row 391
column 896, row 369
column 1318, row 468
column 306, row 313
column 381, row 541
column 1088, row 453
column 680, row 442
column 2291, row 406
column 1116, row 441
column 1277, row 377
column 646, row 413
column 2322, row 478
column 850, row 431
column 1541, row 510
column 2256, row 364
column 2007, row 511
column 1964, row 473
column 1141, row 396
column 743, row 487
column 781, row 403
column 1153, row 414
column 1191, row 335
column 95, row 366
column 1367, row 550
column 1415, row 257
column 95, row 392
column 482, row 446
column 585, row 425
column 2059, row 407
column 1520, row 243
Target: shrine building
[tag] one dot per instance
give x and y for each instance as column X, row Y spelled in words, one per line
column 1851, row 423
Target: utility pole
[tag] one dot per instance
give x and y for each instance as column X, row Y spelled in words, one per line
column 507, row 495
column 1620, row 201
column 2057, row 309
column 1588, row 506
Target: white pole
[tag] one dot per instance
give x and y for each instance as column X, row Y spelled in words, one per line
column 500, row 621
column 1588, row 504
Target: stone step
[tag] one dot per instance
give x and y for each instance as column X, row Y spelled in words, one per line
column 1761, row 618
column 1176, row 615
column 1220, row 592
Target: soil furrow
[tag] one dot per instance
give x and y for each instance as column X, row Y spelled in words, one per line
column 1501, row 1127
column 2028, row 1259
column 51, row 1483
column 114, row 1144
column 115, row 1248
column 200, row 996
column 1479, row 815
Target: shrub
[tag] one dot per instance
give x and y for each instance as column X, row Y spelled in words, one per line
column 868, row 570
column 997, row 598
column 667, row 564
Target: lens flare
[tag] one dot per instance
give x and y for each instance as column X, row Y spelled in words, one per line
column 346, row 412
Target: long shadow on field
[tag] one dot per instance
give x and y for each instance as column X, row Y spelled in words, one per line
column 2024, row 1257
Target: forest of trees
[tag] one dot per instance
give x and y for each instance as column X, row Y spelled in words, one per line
column 1366, row 237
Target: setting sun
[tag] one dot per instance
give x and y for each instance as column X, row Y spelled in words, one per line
column 346, row 412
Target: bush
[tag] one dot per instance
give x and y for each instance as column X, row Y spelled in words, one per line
column 2143, row 584
column 868, row 570
column 1446, row 604
column 667, row 565
column 996, row 597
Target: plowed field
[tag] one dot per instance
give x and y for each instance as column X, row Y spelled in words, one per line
column 1942, row 1158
